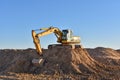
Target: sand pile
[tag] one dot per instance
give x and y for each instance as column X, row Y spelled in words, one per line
column 75, row 61
column 105, row 55
column 118, row 51
column 16, row 60
column 58, row 60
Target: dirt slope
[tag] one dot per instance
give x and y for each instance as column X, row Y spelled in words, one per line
column 118, row 51
column 16, row 60
column 58, row 63
column 105, row 55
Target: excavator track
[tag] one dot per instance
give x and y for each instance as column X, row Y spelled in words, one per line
column 72, row 46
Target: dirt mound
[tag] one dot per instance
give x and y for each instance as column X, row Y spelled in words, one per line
column 66, row 60
column 105, row 55
column 118, row 51
column 16, row 60
column 58, row 60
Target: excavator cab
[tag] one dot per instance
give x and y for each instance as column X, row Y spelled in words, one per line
column 68, row 38
column 66, row 35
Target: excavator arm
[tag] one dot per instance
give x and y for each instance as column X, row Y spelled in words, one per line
column 46, row 31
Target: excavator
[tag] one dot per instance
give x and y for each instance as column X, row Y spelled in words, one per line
column 65, row 37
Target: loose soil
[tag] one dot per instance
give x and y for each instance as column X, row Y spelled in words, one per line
column 60, row 63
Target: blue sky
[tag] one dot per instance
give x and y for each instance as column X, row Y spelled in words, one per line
column 97, row 22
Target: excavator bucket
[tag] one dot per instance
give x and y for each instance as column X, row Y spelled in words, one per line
column 38, row 62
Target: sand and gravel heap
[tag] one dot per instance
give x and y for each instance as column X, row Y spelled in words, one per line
column 12, row 60
column 118, row 51
column 58, row 60
column 106, row 56
column 75, row 61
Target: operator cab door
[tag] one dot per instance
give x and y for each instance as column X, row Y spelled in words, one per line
column 67, row 35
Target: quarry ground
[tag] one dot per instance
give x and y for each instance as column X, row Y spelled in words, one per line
column 61, row 64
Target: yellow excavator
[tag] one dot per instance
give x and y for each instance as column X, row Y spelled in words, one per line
column 65, row 37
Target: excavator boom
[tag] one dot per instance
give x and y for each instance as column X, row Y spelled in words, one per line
column 46, row 31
